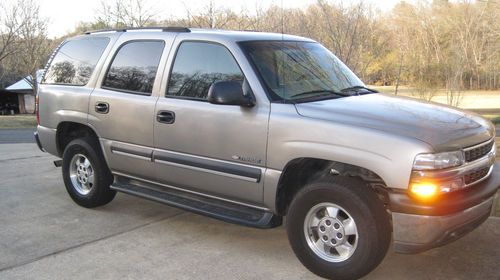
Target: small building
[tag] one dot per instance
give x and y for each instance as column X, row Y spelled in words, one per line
column 9, row 102
column 19, row 97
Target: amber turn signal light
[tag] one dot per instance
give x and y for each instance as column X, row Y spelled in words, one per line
column 424, row 190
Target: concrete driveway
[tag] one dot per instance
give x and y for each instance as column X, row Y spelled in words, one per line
column 44, row 235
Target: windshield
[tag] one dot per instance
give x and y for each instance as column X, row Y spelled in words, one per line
column 300, row 70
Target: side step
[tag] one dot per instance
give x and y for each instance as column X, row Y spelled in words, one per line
column 219, row 209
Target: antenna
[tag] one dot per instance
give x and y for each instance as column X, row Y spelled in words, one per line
column 283, row 47
column 282, row 20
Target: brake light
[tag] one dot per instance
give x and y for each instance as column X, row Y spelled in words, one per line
column 37, row 110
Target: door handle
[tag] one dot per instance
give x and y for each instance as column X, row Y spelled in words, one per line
column 167, row 117
column 102, row 107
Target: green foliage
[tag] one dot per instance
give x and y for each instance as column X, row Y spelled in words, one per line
column 495, row 120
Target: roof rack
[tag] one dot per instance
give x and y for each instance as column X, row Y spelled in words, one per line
column 164, row 29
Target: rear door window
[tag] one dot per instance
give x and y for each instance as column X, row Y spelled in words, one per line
column 134, row 67
column 75, row 61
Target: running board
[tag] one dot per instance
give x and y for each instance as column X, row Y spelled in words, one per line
column 212, row 207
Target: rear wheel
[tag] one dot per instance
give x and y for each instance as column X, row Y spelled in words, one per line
column 338, row 228
column 81, row 173
column 85, row 173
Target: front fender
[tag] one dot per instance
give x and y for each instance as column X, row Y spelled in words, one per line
column 292, row 136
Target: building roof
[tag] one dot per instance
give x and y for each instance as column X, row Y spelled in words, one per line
column 25, row 85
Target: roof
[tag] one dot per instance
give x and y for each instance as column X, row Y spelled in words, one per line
column 229, row 35
column 249, row 35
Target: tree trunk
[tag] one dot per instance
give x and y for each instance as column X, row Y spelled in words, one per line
column 399, row 73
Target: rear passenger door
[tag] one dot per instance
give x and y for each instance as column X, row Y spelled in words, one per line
column 121, row 108
column 217, row 150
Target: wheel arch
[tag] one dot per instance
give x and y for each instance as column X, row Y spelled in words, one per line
column 299, row 171
column 67, row 131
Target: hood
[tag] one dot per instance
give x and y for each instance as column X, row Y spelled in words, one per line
column 442, row 127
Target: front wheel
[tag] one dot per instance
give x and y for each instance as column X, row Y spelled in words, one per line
column 338, row 228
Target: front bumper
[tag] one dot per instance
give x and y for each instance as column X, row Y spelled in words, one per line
column 418, row 233
column 418, row 227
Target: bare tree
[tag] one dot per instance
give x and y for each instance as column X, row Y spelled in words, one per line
column 212, row 16
column 34, row 45
column 344, row 29
column 450, row 45
column 24, row 44
column 10, row 24
column 126, row 13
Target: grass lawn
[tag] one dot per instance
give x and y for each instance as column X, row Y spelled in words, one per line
column 18, row 121
column 470, row 99
column 409, row 91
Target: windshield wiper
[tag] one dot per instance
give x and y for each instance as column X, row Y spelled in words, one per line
column 357, row 88
column 325, row 91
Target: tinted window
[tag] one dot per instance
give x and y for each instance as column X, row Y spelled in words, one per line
column 298, row 70
column 197, row 65
column 134, row 67
column 75, row 61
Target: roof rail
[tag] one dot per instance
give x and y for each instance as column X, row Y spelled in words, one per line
column 164, row 29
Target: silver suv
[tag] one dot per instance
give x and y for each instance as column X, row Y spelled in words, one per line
column 251, row 127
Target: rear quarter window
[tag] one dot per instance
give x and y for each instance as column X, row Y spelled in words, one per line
column 75, row 61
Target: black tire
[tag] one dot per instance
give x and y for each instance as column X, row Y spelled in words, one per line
column 100, row 193
column 368, row 212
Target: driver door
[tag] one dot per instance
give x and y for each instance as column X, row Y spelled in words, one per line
column 219, row 150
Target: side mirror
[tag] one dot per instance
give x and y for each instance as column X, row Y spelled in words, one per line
column 230, row 93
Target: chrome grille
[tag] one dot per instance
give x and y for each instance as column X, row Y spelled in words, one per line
column 474, row 176
column 479, row 151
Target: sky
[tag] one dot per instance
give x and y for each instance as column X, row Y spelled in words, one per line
column 64, row 15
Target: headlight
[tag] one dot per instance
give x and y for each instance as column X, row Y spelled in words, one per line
column 438, row 161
